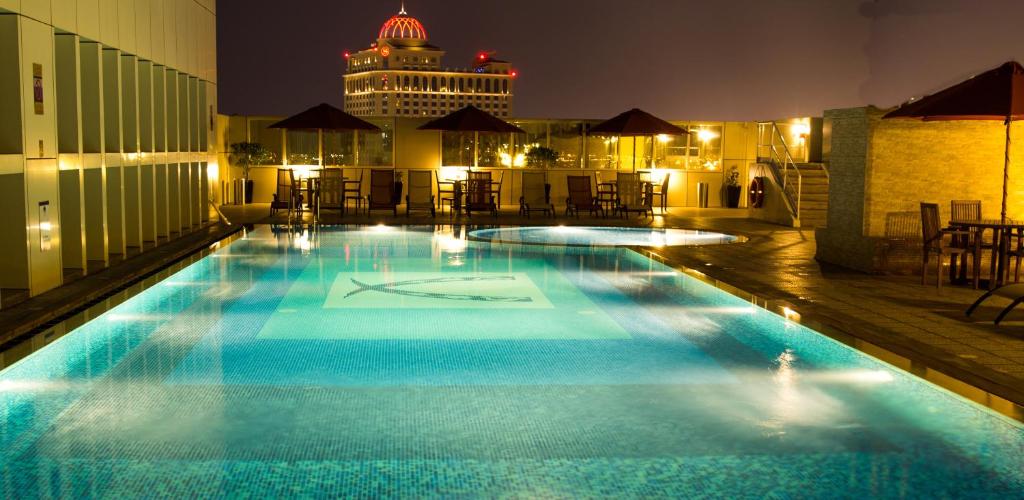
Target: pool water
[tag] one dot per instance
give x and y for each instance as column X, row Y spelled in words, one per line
column 602, row 236
column 411, row 362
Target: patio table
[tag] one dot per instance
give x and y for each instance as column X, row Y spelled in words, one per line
column 1001, row 232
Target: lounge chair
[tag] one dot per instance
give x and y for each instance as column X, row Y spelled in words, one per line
column 581, row 197
column 629, row 195
column 382, row 191
column 288, row 196
column 479, row 194
column 1014, row 292
column 421, row 195
column 535, row 195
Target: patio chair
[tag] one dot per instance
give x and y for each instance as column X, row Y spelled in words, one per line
column 330, row 194
column 479, row 194
column 421, row 194
column 605, row 191
column 288, row 196
column 382, row 191
column 352, row 189
column 496, row 188
column 1014, row 292
column 933, row 239
column 629, row 195
column 660, row 192
column 535, row 195
column 970, row 210
column 902, row 232
column 445, row 192
column 581, row 197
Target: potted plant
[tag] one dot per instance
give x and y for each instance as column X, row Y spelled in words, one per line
column 541, row 156
column 732, row 188
column 246, row 155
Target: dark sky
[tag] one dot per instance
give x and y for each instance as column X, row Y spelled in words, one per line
column 680, row 59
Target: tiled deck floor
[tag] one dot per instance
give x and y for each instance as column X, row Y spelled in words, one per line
column 897, row 313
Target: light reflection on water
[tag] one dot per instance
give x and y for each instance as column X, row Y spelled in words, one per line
column 254, row 372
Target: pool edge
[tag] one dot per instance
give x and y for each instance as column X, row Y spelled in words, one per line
column 927, row 368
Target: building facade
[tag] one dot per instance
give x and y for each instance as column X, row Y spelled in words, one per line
column 107, row 109
column 401, row 75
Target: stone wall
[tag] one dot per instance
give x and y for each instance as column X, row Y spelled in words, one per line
column 879, row 167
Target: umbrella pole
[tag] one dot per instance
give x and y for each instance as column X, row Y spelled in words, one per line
column 320, row 146
column 355, row 148
column 1006, row 170
column 476, row 150
column 634, row 154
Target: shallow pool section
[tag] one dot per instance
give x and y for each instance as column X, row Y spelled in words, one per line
column 597, row 236
column 392, row 362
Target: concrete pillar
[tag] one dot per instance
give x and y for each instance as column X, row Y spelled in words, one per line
column 94, row 181
column 112, row 149
column 69, row 145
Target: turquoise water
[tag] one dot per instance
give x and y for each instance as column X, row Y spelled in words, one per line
column 602, row 236
column 391, row 362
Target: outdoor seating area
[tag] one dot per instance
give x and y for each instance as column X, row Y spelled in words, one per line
column 325, row 190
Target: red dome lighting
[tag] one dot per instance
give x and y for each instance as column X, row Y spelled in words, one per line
column 401, row 26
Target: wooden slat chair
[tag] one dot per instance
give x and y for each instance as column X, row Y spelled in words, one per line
column 331, row 189
column 288, row 196
column 902, row 232
column 421, row 192
column 660, row 192
column 535, row 197
column 581, row 197
column 933, row 243
column 382, row 191
column 352, row 189
column 629, row 195
column 445, row 192
column 970, row 210
column 479, row 194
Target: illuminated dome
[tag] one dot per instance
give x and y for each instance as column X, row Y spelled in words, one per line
column 402, row 26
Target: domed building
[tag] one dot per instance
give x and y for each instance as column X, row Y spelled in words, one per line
column 400, row 74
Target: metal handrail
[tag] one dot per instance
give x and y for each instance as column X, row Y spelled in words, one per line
column 780, row 158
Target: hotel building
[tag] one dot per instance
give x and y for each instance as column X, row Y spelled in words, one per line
column 107, row 110
column 401, row 75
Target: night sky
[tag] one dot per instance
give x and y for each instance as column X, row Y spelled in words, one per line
column 680, row 59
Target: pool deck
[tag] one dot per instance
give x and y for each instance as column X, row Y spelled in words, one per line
column 924, row 327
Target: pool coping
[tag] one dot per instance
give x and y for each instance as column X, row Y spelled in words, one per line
column 922, row 366
column 31, row 337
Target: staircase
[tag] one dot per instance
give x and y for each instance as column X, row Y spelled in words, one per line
column 804, row 185
column 813, row 195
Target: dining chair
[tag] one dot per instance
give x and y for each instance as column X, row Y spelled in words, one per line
column 352, row 189
column 445, row 192
column 330, row 192
column 288, row 196
column 970, row 210
column 933, row 239
column 661, row 192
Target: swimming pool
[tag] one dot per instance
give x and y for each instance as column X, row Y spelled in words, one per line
column 383, row 361
column 592, row 236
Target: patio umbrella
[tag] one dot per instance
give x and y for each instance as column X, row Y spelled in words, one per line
column 633, row 123
column 325, row 117
column 472, row 119
column 997, row 94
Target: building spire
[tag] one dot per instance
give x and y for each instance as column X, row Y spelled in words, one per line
column 402, row 11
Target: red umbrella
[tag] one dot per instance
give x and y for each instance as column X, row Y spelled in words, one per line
column 472, row 119
column 997, row 94
column 324, row 117
column 633, row 123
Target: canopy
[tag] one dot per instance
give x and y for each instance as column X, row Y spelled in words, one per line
column 997, row 94
column 635, row 122
column 472, row 119
column 324, row 117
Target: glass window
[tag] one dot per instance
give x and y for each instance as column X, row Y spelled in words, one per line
column 504, row 86
column 338, row 148
column 433, row 83
column 487, row 85
column 375, row 148
column 270, row 138
column 302, row 147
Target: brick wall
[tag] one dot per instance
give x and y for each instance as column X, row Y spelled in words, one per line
column 882, row 166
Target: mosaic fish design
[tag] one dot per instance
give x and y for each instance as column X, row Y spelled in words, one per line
column 394, row 288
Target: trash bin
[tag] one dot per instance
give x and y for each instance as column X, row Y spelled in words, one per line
column 702, row 195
